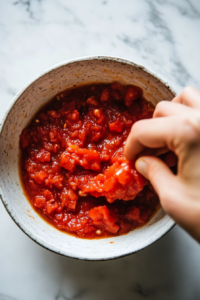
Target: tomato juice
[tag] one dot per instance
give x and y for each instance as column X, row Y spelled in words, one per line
column 72, row 164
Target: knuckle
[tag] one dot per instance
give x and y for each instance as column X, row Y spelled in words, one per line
column 136, row 128
column 191, row 125
column 160, row 107
column 186, row 133
column 187, row 91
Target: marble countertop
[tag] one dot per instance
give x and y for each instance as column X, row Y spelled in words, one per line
column 164, row 36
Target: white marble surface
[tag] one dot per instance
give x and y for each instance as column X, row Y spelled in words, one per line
column 164, row 36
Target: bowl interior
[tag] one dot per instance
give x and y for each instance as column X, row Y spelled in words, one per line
column 25, row 105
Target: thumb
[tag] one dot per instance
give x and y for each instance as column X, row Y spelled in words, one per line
column 175, row 197
column 157, row 172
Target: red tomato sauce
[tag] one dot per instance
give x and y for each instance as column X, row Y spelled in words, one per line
column 72, row 164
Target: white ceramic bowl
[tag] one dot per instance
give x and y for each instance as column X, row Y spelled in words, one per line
column 23, row 108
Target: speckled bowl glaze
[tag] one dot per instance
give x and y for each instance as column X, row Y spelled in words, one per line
column 23, row 108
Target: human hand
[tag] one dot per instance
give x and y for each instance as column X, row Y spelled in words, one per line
column 176, row 127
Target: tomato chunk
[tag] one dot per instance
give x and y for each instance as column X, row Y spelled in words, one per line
column 133, row 214
column 116, row 126
column 67, row 162
column 132, row 93
column 72, row 163
column 43, row 156
column 39, row 201
column 40, row 177
column 105, row 95
column 68, row 199
column 102, row 218
column 88, row 159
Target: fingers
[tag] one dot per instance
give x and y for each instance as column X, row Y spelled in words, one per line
column 157, row 172
column 167, row 108
column 153, row 133
column 174, row 132
column 189, row 97
column 144, row 133
column 175, row 197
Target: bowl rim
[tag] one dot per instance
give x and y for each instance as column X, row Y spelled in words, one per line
column 5, row 116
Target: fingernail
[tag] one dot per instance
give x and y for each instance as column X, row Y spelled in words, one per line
column 141, row 166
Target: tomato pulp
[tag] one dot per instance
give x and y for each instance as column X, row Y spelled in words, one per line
column 72, row 164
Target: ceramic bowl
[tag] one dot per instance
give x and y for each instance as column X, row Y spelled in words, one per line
column 22, row 109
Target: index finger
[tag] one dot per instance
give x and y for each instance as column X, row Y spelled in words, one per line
column 189, row 97
column 156, row 133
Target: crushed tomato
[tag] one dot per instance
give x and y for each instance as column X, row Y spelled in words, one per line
column 72, row 164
